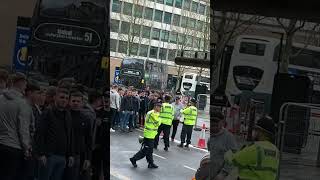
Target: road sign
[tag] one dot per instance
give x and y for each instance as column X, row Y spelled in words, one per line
column 20, row 55
column 116, row 76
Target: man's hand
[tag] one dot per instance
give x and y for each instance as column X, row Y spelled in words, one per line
column 70, row 161
column 86, row 165
column 137, row 113
column 43, row 160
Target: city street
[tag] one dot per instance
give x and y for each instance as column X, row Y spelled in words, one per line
column 176, row 164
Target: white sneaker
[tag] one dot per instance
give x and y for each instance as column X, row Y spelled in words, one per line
column 112, row 130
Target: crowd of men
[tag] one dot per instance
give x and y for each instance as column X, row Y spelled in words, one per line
column 52, row 133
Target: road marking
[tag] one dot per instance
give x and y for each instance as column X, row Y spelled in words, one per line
column 159, row 156
column 189, row 168
column 118, row 175
column 178, row 142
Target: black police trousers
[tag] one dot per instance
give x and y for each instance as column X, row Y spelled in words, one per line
column 145, row 151
column 186, row 131
column 166, row 134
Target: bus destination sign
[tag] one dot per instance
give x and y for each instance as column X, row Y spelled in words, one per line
column 67, row 35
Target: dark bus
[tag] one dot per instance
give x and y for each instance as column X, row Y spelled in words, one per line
column 70, row 38
column 143, row 73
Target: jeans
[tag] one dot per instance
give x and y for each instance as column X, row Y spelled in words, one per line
column 73, row 173
column 54, row 168
column 114, row 113
column 10, row 163
column 127, row 116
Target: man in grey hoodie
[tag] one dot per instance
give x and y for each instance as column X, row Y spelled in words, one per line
column 15, row 116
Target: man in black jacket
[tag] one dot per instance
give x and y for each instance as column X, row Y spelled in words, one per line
column 54, row 138
column 127, row 108
column 82, row 137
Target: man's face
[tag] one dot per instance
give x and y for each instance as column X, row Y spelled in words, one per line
column 76, row 102
column 121, row 92
column 177, row 101
column 22, row 85
column 61, row 100
column 216, row 127
column 42, row 99
column 129, row 93
column 157, row 108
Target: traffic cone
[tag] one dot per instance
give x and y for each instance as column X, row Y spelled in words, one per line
column 202, row 139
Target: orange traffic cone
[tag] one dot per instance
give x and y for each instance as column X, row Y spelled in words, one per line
column 202, row 139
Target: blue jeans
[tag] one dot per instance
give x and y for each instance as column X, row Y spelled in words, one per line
column 126, row 119
column 54, row 168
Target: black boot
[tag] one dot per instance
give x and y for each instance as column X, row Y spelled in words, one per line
column 187, row 146
column 133, row 162
column 166, row 148
column 152, row 166
column 180, row 145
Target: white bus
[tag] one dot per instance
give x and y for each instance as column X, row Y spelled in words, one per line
column 254, row 63
column 189, row 82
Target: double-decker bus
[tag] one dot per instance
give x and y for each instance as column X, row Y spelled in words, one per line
column 254, row 64
column 189, row 82
column 142, row 73
column 70, row 39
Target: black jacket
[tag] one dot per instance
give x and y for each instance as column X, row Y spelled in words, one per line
column 54, row 134
column 82, row 134
column 128, row 103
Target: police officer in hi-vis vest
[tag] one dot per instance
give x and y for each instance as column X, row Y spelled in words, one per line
column 166, row 117
column 257, row 161
column 152, row 124
column 190, row 116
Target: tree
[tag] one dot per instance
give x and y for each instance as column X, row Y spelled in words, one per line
column 226, row 26
column 134, row 17
column 290, row 28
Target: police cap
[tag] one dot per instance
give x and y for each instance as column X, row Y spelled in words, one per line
column 266, row 124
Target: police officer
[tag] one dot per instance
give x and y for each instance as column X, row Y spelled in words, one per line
column 166, row 116
column 152, row 124
column 190, row 116
column 260, row 159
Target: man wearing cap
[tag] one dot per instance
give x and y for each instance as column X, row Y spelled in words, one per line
column 177, row 105
column 190, row 116
column 166, row 117
column 259, row 160
column 150, row 131
column 15, row 115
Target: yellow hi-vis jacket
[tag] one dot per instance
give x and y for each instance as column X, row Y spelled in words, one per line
column 166, row 114
column 190, row 115
column 152, row 124
column 259, row 161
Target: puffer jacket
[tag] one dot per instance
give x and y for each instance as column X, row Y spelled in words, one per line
column 15, row 118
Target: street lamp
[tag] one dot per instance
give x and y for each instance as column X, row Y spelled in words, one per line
column 280, row 50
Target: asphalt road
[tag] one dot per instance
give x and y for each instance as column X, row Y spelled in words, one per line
column 176, row 164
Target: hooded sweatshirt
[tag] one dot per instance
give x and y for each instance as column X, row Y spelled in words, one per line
column 15, row 117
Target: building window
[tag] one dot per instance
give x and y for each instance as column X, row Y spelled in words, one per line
column 194, row 7
column 197, row 42
column 125, row 27
column 191, row 23
column 178, row 3
column 155, row 33
column 173, row 37
column 176, row 20
column 169, row 2
column 113, row 45
column 114, row 25
column 116, row 6
column 172, row 54
column 202, row 9
column 167, row 18
column 184, row 20
column 182, row 39
column 148, row 14
column 134, row 49
column 146, row 32
column 136, row 30
column 138, row 10
column 186, row 5
column 123, row 47
column 153, row 52
column 127, row 8
column 158, row 15
column 144, row 49
column 160, row 1
column 163, row 53
column 164, row 35
column 189, row 41
column 199, row 25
